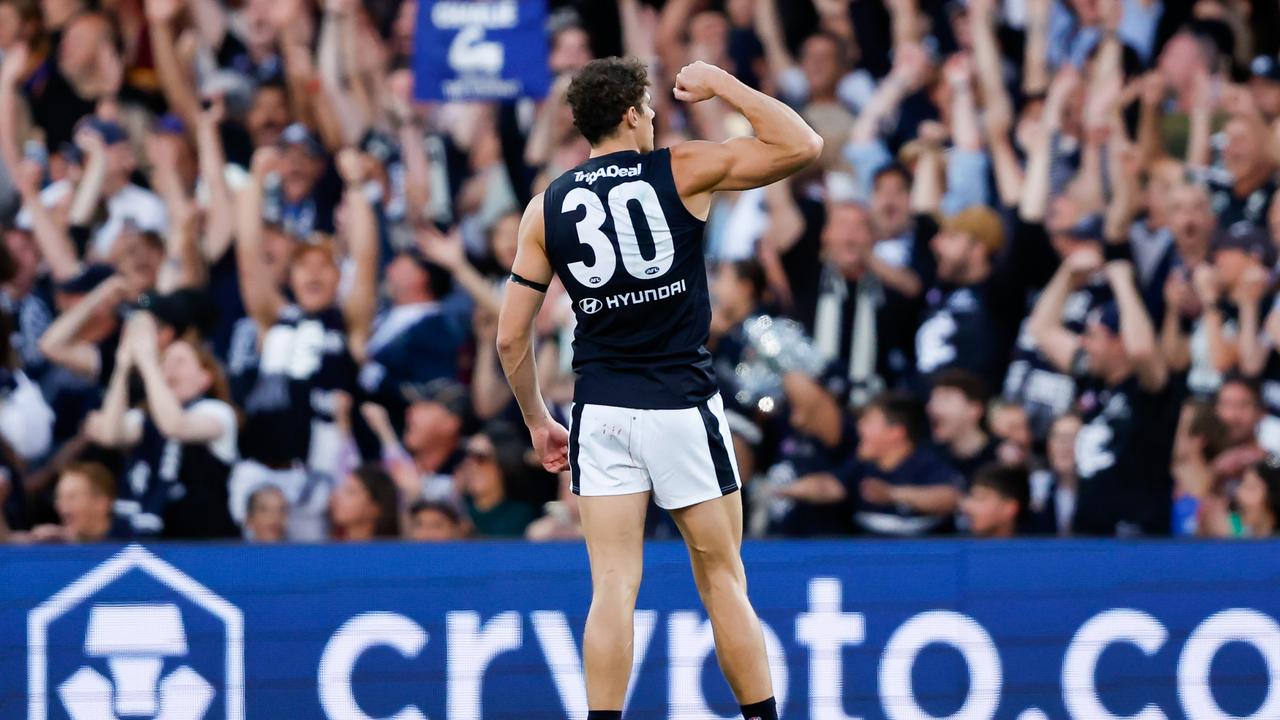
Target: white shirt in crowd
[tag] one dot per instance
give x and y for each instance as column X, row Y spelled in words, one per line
column 134, row 204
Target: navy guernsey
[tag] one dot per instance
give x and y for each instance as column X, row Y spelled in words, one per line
column 630, row 255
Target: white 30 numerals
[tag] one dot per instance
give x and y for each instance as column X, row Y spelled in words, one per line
column 606, row 259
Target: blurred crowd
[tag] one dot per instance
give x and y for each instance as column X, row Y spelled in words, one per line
column 250, row 284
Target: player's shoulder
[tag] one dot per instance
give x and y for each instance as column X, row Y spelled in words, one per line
column 532, row 221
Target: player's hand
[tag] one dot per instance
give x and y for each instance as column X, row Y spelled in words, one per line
column 697, row 81
column 551, row 442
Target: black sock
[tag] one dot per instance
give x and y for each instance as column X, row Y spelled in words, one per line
column 604, row 715
column 763, row 710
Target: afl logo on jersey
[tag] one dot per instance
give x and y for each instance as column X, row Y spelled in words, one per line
column 590, row 306
column 652, row 270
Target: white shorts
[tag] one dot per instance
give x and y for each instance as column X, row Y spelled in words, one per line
column 683, row 456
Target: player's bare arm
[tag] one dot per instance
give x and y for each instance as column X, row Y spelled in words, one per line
column 783, row 142
column 530, row 274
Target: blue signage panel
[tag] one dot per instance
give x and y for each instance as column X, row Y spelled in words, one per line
column 1024, row 630
column 481, row 50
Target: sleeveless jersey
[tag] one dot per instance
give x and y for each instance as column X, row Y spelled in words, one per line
column 630, row 255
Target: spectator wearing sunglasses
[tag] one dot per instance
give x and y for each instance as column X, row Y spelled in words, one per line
column 489, row 466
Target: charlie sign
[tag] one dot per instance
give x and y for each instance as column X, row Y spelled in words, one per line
column 481, row 50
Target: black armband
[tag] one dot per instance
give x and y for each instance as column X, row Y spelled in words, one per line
column 540, row 287
column 1117, row 251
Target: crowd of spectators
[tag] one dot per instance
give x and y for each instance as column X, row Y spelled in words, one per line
column 250, row 283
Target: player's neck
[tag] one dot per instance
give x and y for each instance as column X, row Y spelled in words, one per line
column 618, row 143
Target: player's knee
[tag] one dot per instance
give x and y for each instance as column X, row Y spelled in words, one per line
column 721, row 582
column 616, row 587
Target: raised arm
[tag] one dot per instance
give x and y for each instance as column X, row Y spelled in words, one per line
column 51, row 237
column 1208, row 287
column 449, row 252
column 1136, row 330
column 60, row 342
column 175, row 81
column 768, row 27
column 1200, row 121
column 1151, row 97
column 783, row 142
column 12, row 71
column 1251, row 342
column 1174, row 344
column 360, row 303
column 84, row 202
column 165, row 409
column 998, row 109
column 1035, row 187
column 926, row 186
column 219, row 228
column 1035, row 56
column 1054, row 341
column 106, row 426
column 530, row 275
column 262, row 298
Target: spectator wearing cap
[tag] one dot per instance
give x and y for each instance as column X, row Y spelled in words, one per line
column 1122, row 449
column 433, row 422
column 971, row 313
column 415, row 340
column 180, row 448
column 301, row 193
column 84, row 336
column 997, row 502
column 898, row 486
column 1043, row 390
column 492, row 462
column 956, row 407
column 109, row 164
column 1264, row 84
column 310, row 343
column 423, row 458
column 1233, row 296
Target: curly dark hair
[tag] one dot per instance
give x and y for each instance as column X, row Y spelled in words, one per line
column 602, row 91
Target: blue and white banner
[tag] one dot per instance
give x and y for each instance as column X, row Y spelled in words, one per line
column 481, row 50
column 1083, row 630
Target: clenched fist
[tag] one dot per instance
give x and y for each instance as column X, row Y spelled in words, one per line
column 697, row 82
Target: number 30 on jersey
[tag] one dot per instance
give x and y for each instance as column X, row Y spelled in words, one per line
column 602, row 268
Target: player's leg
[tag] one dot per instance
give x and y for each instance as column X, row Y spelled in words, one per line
column 713, row 532
column 614, row 530
column 690, row 460
column 613, row 497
